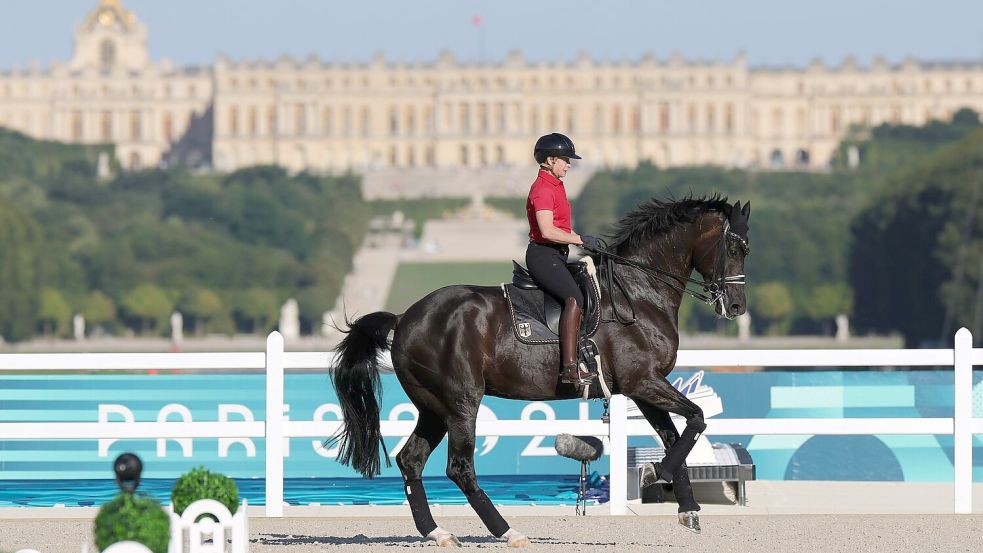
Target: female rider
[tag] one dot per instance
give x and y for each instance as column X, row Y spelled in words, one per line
column 550, row 234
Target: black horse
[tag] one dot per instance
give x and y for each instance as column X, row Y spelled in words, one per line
column 456, row 345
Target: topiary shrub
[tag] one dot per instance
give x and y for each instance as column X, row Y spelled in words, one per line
column 200, row 483
column 133, row 517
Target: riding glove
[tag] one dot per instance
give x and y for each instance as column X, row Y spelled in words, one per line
column 590, row 243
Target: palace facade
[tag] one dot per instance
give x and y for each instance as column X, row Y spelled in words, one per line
column 310, row 114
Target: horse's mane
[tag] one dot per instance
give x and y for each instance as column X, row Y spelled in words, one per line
column 655, row 217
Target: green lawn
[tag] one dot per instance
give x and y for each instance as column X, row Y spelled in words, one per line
column 415, row 280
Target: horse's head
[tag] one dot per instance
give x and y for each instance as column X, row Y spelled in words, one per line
column 719, row 255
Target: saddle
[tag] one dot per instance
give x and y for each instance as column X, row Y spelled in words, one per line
column 536, row 314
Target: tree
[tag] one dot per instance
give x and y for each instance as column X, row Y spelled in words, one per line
column 914, row 263
column 97, row 308
column 772, row 301
column 54, row 313
column 257, row 306
column 148, row 303
column 20, row 244
column 826, row 301
column 202, row 304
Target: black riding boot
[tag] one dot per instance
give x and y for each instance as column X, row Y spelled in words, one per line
column 571, row 372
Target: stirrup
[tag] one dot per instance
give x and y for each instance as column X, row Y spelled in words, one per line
column 580, row 380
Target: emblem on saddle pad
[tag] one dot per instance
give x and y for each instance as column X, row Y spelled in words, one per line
column 525, row 330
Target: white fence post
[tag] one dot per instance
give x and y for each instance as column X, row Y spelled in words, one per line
column 963, row 422
column 618, row 455
column 274, row 425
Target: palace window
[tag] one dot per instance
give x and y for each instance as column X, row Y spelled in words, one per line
column 136, row 126
column 711, row 118
column 428, row 119
column 252, row 123
column 167, row 125
column 895, row 115
column 300, row 119
column 234, row 121
column 616, row 119
column 411, row 120
column 464, row 155
column 865, row 116
column 76, row 126
column 272, row 121
column 499, row 154
column 777, row 122
column 327, row 122
column 107, row 53
column 663, row 118
column 729, row 118
column 393, row 122
column 106, row 126
column 483, row 117
column 366, row 122
column 464, row 117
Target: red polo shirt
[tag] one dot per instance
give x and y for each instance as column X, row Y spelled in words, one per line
column 547, row 193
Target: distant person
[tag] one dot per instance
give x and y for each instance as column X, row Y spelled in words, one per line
column 550, row 233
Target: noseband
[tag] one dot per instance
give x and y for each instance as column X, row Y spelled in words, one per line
column 714, row 288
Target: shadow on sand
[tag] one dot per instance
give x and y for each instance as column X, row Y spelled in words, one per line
column 403, row 541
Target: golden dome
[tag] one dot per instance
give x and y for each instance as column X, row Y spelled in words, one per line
column 110, row 13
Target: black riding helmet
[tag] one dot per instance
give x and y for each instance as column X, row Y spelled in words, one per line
column 555, row 145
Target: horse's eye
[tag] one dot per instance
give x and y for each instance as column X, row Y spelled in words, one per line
column 732, row 252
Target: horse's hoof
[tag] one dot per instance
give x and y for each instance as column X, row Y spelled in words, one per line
column 690, row 520
column 651, row 474
column 521, row 542
column 444, row 538
column 516, row 539
column 449, row 542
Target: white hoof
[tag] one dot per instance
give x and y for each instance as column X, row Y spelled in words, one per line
column 516, row 539
column 443, row 538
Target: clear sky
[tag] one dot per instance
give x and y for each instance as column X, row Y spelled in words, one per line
column 771, row 32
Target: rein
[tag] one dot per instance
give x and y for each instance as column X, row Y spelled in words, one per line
column 713, row 289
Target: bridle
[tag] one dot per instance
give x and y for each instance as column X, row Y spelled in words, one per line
column 714, row 288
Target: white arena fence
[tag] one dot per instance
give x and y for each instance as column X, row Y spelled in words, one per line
column 962, row 426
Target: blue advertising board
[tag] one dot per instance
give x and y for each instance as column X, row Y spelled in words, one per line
column 119, row 398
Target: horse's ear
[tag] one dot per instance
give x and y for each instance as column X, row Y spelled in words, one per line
column 746, row 212
column 735, row 211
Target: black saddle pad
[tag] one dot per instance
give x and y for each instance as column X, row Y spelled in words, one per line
column 536, row 315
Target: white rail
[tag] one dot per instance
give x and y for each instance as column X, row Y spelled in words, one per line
column 274, row 360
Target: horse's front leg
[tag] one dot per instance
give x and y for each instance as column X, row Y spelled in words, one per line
column 460, row 469
column 656, row 391
column 681, row 486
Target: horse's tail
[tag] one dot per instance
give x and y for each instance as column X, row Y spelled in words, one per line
column 355, row 377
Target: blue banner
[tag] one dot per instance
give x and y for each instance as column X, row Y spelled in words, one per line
column 215, row 397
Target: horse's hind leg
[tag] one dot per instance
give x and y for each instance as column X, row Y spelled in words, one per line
column 460, row 469
column 681, row 486
column 429, row 431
